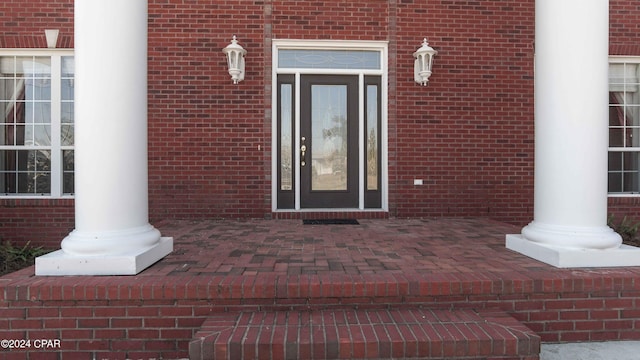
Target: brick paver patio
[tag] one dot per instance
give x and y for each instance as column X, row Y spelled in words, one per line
column 236, row 267
column 287, row 247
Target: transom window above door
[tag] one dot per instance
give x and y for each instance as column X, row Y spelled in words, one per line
column 329, row 59
column 329, row 128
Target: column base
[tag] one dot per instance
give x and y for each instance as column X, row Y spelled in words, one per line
column 560, row 257
column 59, row 263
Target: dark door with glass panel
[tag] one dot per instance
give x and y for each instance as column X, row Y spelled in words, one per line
column 323, row 153
column 329, row 141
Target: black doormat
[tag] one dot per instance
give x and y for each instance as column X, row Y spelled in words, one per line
column 330, row 222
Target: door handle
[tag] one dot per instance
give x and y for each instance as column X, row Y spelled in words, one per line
column 303, row 151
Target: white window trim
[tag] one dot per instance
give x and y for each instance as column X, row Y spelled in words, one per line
column 56, row 96
column 619, row 59
column 379, row 46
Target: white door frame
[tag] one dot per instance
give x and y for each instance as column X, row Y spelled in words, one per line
column 382, row 48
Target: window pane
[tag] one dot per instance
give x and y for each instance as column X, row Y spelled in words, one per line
column 286, row 141
column 38, row 89
column 67, row 114
column 67, row 83
column 328, row 137
column 616, row 136
column 26, row 183
column 624, row 172
column 66, row 135
column 329, row 59
column 9, row 133
column 615, row 182
column 25, row 171
column 7, row 90
column 68, row 67
column 36, row 135
column 67, row 119
column 39, row 112
column 42, row 135
column 67, row 169
column 67, row 89
column 43, row 182
column 372, row 137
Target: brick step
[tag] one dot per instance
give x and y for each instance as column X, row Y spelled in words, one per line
column 364, row 334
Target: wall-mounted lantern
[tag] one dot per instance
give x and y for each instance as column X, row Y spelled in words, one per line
column 235, row 60
column 424, row 61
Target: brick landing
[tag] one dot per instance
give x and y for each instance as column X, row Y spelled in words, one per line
column 281, row 265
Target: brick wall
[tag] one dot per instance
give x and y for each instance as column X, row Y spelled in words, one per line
column 208, row 144
column 23, row 23
column 624, row 20
column 468, row 135
column 126, row 318
column 41, row 222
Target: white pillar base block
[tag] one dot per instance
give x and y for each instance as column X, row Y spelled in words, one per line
column 563, row 257
column 60, row 263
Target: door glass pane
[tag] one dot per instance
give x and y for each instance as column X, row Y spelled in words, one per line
column 329, row 137
column 286, row 141
column 372, row 137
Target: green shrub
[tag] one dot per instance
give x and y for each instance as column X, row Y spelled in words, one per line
column 628, row 229
column 14, row 258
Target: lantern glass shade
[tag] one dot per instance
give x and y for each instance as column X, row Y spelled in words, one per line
column 423, row 63
column 235, row 60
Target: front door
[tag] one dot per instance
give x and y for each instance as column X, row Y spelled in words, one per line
column 329, row 176
column 328, row 133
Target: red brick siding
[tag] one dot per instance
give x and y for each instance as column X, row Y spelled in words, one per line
column 42, row 222
column 204, row 131
column 624, row 20
column 23, row 23
column 621, row 207
column 468, row 135
column 331, row 19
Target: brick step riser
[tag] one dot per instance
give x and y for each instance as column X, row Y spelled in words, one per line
column 364, row 334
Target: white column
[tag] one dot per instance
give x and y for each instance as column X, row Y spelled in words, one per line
column 571, row 139
column 112, row 234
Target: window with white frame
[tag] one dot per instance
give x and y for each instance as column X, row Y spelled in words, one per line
column 36, row 127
